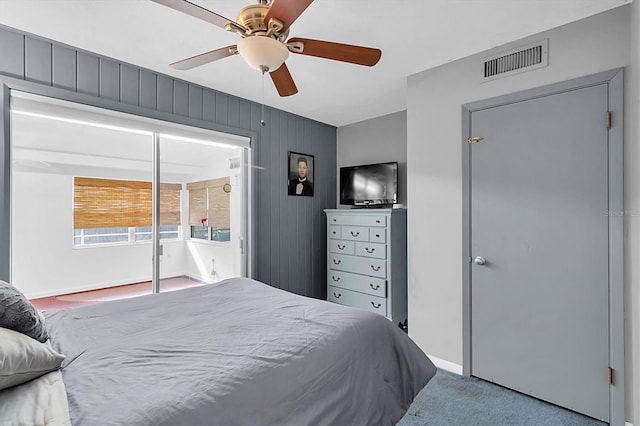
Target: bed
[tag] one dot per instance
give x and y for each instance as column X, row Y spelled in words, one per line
column 237, row 353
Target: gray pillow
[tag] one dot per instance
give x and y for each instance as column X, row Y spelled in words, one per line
column 23, row 358
column 17, row 313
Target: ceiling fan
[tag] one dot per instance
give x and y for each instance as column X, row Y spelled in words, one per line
column 264, row 28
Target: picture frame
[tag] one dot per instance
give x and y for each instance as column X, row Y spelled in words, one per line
column 300, row 165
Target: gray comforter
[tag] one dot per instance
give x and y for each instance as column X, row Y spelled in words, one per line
column 236, row 353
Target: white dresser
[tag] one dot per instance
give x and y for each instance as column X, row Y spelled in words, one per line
column 367, row 260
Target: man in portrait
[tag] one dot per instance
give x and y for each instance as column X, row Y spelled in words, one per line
column 301, row 185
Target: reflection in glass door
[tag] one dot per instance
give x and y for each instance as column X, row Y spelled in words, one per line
column 201, row 220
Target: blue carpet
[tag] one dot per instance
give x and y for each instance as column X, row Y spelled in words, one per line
column 453, row 400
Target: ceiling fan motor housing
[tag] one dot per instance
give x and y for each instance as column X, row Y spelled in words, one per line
column 252, row 18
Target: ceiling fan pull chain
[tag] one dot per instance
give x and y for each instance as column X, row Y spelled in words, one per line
column 262, row 123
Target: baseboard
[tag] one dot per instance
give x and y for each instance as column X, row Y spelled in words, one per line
column 97, row 286
column 81, row 288
column 446, row 365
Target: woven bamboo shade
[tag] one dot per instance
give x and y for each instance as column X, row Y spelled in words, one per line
column 170, row 203
column 207, row 199
column 219, row 205
column 110, row 203
column 197, row 206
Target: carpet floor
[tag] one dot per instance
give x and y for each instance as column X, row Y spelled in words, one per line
column 453, row 400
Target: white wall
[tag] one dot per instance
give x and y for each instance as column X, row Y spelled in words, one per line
column 379, row 140
column 434, row 172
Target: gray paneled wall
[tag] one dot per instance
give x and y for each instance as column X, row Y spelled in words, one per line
column 290, row 240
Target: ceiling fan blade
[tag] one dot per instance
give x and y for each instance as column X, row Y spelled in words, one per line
column 204, row 58
column 283, row 81
column 286, row 11
column 336, row 51
column 196, row 11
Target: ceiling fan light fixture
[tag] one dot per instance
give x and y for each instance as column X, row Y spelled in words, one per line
column 263, row 53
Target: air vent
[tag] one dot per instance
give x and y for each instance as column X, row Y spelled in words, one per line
column 523, row 58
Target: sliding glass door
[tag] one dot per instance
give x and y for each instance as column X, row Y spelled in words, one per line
column 102, row 201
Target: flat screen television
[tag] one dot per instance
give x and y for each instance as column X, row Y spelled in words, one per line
column 369, row 185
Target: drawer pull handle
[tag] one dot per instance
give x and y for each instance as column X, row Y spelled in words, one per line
column 334, row 233
column 335, row 279
column 377, row 235
column 342, row 247
column 378, row 221
column 337, row 262
column 375, row 305
column 355, row 234
column 370, row 250
column 334, row 219
column 377, row 286
column 376, row 268
column 339, row 295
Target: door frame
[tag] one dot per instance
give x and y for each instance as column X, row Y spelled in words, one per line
column 615, row 81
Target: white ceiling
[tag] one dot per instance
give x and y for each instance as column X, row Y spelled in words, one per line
column 414, row 35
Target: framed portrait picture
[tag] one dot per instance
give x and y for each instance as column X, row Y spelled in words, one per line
column 300, row 174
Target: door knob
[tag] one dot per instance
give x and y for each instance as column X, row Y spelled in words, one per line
column 479, row 260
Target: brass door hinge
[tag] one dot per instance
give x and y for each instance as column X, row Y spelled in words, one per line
column 610, row 375
column 474, row 139
column 608, row 119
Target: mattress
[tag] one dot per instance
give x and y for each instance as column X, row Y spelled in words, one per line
column 239, row 352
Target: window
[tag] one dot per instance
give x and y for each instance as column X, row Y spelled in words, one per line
column 167, row 232
column 209, row 210
column 200, row 232
column 92, row 236
column 108, row 211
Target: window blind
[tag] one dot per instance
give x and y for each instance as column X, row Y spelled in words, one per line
column 207, row 199
column 170, row 202
column 197, row 206
column 110, row 203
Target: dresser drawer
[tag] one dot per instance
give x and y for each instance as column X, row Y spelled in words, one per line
column 378, row 235
column 357, row 300
column 359, row 265
column 335, row 232
column 357, row 219
column 342, row 246
column 361, row 283
column 355, row 233
column 376, row 250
